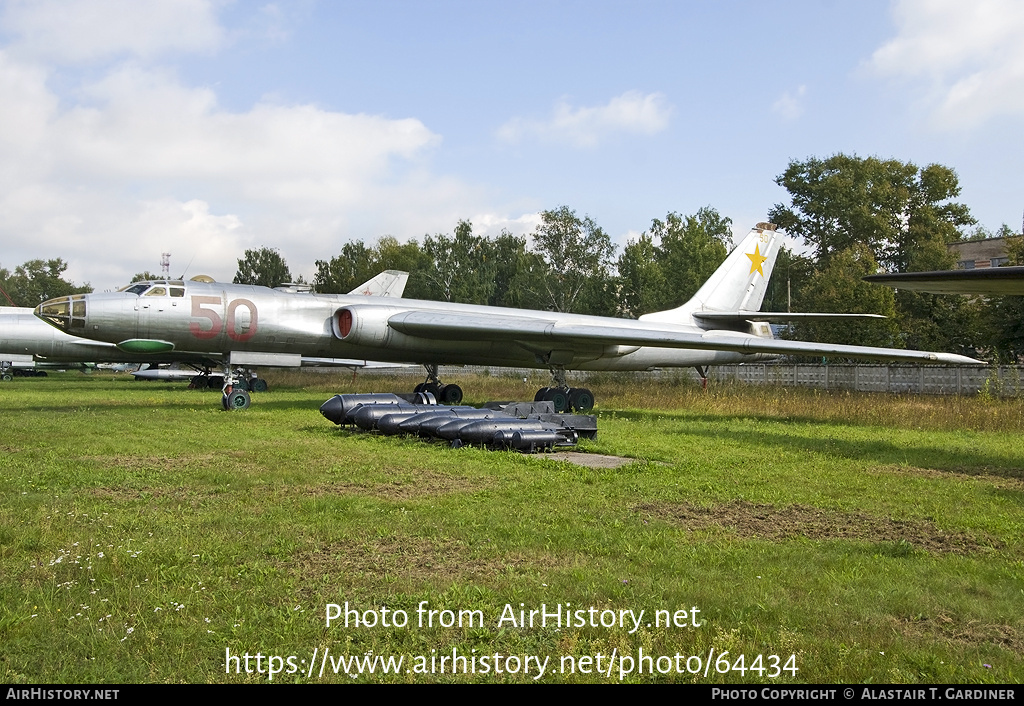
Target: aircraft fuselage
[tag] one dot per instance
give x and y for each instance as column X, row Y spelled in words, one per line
column 216, row 319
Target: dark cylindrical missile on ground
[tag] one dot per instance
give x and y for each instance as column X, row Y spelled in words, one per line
column 388, row 424
column 427, row 425
column 482, row 431
column 532, row 441
column 366, row 416
column 339, row 406
column 391, row 424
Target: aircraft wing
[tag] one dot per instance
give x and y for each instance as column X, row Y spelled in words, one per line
column 775, row 316
column 539, row 331
column 988, row 280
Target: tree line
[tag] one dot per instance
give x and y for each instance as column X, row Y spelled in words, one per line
column 855, row 216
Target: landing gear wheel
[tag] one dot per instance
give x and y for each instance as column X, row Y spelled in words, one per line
column 259, row 385
column 559, row 398
column 6, row 377
column 541, row 394
column 433, row 388
column 581, row 399
column 215, row 382
column 236, row 400
column 450, row 394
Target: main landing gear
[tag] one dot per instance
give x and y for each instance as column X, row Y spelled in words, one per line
column 702, row 370
column 563, row 397
column 443, row 394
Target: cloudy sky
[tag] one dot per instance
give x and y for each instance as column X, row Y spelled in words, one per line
column 205, row 127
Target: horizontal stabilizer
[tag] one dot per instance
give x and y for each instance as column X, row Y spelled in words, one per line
column 774, row 316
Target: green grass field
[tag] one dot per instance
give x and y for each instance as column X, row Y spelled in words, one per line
column 147, row 536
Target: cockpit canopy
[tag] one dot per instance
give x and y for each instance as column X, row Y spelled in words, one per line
column 156, row 288
column 66, row 313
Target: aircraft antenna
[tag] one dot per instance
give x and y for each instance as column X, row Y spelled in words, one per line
column 186, row 267
column 165, row 264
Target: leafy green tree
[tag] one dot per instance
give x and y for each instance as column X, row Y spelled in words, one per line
column 578, row 254
column 264, row 267
column 641, row 277
column 789, row 278
column 840, row 288
column 904, row 214
column 343, row 273
column 690, row 250
column 460, row 270
column 38, row 280
column 358, row 263
column 518, row 273
column 145, row 276
column 408, row 257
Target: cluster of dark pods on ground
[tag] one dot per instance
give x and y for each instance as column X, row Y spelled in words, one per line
column 528, row 427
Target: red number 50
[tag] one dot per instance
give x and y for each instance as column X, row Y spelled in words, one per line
column 217, row 324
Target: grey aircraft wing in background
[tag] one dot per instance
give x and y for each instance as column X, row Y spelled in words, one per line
column 245, row 325
column 995, row 281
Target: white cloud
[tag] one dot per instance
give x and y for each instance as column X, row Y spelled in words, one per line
column 86, row 30
column 119, row 176
column 145, row 125
column 632, row 112
column 967, row 56
column 790, row 105
column 492, row 224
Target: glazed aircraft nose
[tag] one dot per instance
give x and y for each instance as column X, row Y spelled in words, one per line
column 66, row 313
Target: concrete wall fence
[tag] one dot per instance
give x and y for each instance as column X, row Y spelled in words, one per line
column 998, row 381
column 1001, row 381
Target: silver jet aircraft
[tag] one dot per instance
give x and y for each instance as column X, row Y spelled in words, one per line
column 246, row 325
column 25, row 340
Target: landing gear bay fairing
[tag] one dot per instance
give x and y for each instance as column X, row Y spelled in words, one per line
column 242, row 325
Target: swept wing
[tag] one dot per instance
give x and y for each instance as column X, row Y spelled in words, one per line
column 538, row 332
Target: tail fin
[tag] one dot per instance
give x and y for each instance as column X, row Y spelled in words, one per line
column 389, row 283
column 739, row 284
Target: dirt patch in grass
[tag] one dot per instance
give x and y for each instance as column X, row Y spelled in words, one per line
column 414, row 559
column 751, row 520
column 423, row 485
column 1008, row 478
column 972, row 632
